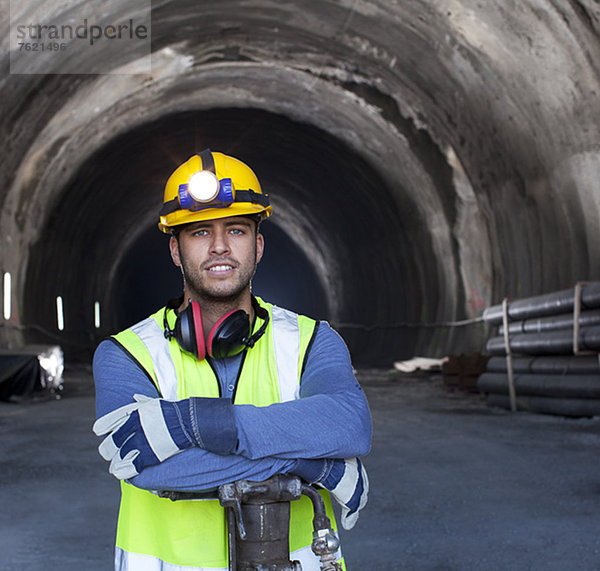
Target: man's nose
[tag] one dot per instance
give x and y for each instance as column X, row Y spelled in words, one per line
column 220, row 242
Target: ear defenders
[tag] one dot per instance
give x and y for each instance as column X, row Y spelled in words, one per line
column 229, row 336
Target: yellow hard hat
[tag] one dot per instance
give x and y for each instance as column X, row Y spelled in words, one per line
column 211, row 185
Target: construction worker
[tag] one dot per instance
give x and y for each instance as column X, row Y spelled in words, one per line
column 220, row 385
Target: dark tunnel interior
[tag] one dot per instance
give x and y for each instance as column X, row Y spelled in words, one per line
column 337, row 231
column 425, row 160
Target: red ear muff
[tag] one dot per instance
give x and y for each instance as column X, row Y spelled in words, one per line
column 188, row 330
column 229, row 335
column 199, row 331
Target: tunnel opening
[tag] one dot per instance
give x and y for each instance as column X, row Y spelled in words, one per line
column 340, row 231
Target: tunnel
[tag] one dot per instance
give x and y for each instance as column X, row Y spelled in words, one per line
column 424, row 161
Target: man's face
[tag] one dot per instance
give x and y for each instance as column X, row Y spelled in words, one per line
column 218, row 257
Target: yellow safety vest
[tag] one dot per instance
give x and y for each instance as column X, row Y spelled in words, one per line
column 157, row 534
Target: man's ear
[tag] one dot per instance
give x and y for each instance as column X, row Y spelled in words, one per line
column 174, row 247
column 260, row 247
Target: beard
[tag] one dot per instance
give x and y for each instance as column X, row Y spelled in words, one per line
column 200, row 286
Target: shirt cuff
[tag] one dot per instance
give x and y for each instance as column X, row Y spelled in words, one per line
column 213, row 425
column 312, row 471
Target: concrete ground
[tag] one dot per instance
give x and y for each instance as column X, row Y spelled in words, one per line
column 454, row 484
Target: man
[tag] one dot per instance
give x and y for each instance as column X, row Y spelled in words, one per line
column 220, row 386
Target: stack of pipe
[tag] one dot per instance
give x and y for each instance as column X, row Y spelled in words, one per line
column 552, row 362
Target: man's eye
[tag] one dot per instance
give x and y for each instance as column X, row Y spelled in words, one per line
column 237, row 231
column 200, row 233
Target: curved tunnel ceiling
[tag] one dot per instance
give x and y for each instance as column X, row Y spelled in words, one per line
column 424, row 160
column 324, row 211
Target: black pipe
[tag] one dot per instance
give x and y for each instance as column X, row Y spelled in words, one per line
column 554, row 364
column 542, row 305
column 320, row 520
column 550, row 405
column 569, row 386
column 550, row 343
column 231, row 538
column 552, row 323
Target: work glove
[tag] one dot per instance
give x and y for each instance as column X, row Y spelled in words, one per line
column 151, row 430
column 142, row 434
column 346, row 479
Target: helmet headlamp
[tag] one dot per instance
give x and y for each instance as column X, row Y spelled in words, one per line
column 205, row 190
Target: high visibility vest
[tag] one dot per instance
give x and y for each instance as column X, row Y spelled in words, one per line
column 157, row 534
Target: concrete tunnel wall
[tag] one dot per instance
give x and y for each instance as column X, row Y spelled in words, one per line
column 424, row 160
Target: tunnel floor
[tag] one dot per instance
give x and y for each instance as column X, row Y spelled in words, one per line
column 454, row 484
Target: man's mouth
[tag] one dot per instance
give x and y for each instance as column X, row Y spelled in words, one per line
column 220, row 268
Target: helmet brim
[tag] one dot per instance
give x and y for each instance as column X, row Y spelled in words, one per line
column 180, row 217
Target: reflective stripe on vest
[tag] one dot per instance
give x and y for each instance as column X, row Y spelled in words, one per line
column 286, row 343
column 125, row 561
column 271, row 373
column 152, row 336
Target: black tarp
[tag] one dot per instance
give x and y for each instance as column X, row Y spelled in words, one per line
column 20, row 375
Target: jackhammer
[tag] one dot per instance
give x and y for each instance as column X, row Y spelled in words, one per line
column 258, row 516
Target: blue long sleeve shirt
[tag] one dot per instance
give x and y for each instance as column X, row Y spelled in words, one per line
column 331, row 418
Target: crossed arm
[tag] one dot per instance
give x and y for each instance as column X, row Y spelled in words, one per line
column 330, row 420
